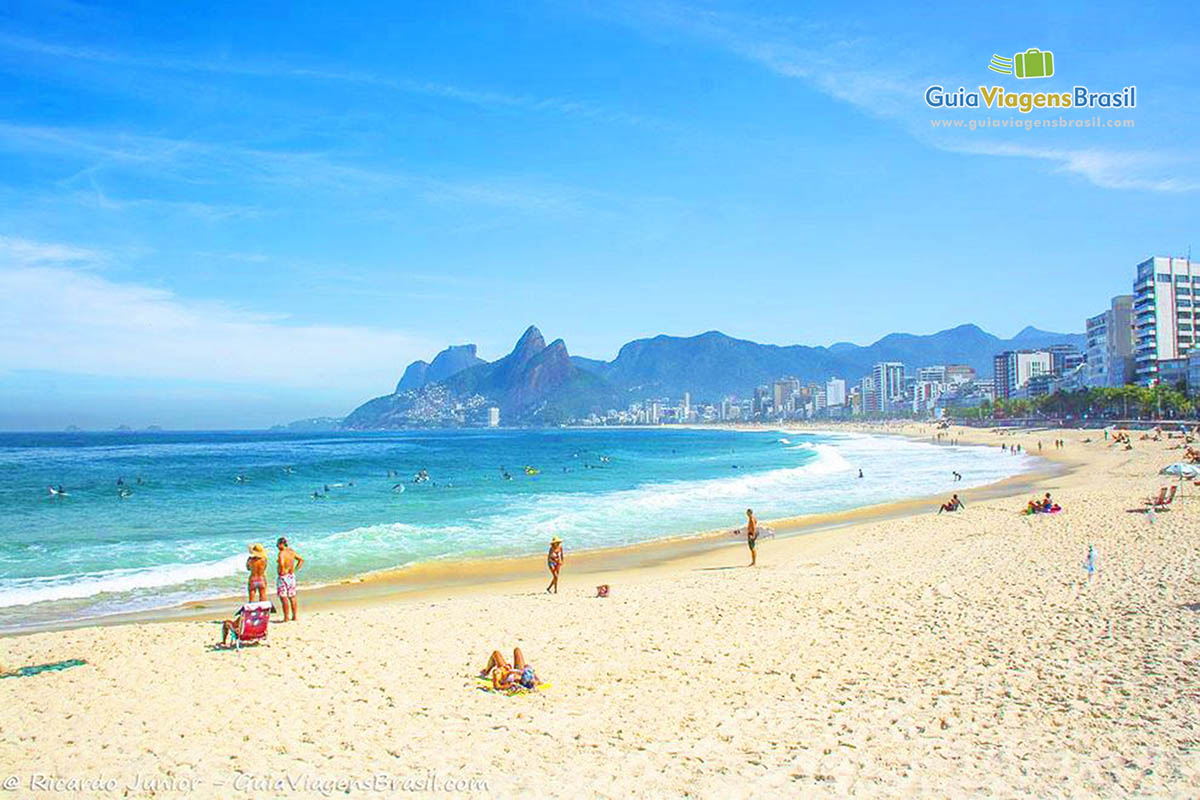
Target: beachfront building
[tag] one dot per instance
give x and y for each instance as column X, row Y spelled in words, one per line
column 926, row 395
column 835, row 392
column 868, row 394
column 934, row 374
column 1193, row 373
column 1064, row 358
column 1173, row 372
column 1163, row 313
column 959, row 374
column 762, row 401
column 888, row 377
column 1110, row 344
column 1012, row 370
column 493, row 419
column 784, row 394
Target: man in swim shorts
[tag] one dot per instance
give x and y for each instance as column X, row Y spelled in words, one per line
column 288, row 565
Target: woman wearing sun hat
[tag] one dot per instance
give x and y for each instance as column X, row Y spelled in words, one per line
column 554, row 562
column 256, row 589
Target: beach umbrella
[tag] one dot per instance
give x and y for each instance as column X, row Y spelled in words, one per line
column 1181, row 470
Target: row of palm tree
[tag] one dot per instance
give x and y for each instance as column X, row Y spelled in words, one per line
column 1115, row 402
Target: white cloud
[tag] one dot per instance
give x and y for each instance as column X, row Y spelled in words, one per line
column 14, row 250
column 55, row 315
column 842, row 68
column 1106, row 168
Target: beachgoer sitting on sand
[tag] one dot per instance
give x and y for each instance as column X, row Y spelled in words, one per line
column 505, row 676
column 954, row 504
column 1042, row 506
column 602, row 590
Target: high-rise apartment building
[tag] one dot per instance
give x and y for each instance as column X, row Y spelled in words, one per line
column 1110, row 344
column 1163, row 313
column 888, row 377
column 835, row 392
column 1012, row 370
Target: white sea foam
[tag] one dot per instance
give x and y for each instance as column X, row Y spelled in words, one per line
column 28, row 591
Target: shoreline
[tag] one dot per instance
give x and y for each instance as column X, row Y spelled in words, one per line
column 458, row 577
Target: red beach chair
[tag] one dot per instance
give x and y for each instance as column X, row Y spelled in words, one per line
column 1157, row 501
column 1170, row 497
column 251, row 624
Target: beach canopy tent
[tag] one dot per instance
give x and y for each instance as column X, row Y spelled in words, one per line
column 1181, row 470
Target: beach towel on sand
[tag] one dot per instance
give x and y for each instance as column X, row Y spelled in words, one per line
column 485, row 685
column 25, row 672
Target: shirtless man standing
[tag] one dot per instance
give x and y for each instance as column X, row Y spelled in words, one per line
column 752, row 536
column 288, row 565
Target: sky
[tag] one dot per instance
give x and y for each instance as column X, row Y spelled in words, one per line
column 242, row 214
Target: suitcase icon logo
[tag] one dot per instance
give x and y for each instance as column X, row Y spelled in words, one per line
column 1033, row 63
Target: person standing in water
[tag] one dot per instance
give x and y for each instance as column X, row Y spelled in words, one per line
column 554, row 562
column 256, row 588
column 288, row 565
column 752, row 536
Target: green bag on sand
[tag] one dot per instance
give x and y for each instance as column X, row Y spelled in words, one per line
column 1033, row 63
column 25, row 672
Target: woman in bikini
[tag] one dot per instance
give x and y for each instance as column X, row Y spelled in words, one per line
column 256, row 588
column 554, row 562
column 505, row 676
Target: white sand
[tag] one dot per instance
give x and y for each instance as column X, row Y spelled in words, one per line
column 953, row 655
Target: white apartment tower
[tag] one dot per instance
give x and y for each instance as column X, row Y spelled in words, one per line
column 889, row 384
column 835, row 392
column 1163, row 314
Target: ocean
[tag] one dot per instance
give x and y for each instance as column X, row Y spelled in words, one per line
column 178, row 527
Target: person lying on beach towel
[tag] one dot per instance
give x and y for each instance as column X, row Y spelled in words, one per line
column 507, row 677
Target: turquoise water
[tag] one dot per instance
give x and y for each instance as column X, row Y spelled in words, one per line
column 181, row 532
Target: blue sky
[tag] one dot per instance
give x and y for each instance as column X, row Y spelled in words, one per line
column 232, row 216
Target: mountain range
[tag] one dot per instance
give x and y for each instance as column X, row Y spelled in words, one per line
column 542, row 384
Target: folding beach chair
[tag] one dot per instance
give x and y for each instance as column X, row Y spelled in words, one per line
column 251, row 624
column 1170, row 498
column 1157, row 501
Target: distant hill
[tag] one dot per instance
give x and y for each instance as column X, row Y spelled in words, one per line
column 534, row 384
column 713, row 365
column 311, row 425
column 452, row 360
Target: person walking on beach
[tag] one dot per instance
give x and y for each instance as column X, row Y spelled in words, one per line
column 752, row 536
column 554, row 562
column 288, row 565
column 256, row 587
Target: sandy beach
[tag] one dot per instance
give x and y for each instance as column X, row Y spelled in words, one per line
column 916, row 655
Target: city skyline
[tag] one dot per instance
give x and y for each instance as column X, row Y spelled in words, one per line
column 263, row 215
